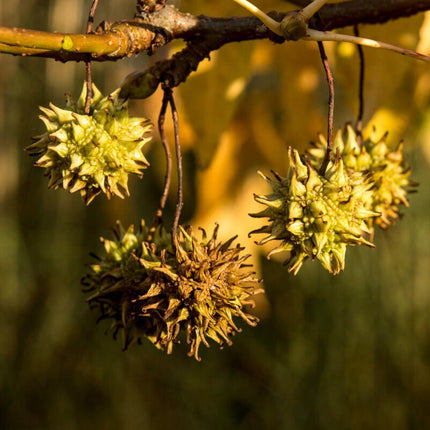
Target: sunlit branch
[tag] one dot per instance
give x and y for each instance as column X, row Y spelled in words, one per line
column 121, row 39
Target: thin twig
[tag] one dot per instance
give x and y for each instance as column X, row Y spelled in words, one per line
column 330, row 82
column 89, row 82
column 336, row 37
column 91, row 16
column 312, row 8
column 89, row 79
column 180, row 198
column 270, row 23
column 168, row 154
column 359, row 125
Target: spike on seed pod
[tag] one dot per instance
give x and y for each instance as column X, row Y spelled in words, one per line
column 148, row 289
column 91, row 153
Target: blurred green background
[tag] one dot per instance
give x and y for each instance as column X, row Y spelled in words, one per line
column 344, row 352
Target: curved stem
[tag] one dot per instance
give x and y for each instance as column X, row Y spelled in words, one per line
column 180, row 198
column 335, row 37
column 264, row 18
column 359, row 124
column 330, row 82
column 168, row 154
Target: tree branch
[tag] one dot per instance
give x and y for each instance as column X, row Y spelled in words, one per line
column 110, row 42
column 113, row 41
column 354, row 12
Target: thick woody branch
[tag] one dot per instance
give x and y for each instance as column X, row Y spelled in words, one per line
column 144, row 34
column 171, row 72
column 355, row 12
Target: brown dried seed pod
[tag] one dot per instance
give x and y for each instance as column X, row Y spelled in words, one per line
column 151, row 290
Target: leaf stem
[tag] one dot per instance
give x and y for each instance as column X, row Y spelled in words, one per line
column 89, row 79
column 330, row 82
column 91, row 14
column 359, row 124
column 335, row 37
column 180, row 197
column 168, row 154
column 89, row 85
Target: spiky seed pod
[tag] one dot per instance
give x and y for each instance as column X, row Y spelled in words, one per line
column 150, row 289
column 91, row 153
column 387, row 169
column 315, row 216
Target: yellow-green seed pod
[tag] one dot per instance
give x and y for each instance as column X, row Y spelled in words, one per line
column 316, row 216
column 95, row 152
column 386, row 168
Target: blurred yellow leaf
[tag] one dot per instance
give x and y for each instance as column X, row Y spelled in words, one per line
column 210, row 96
